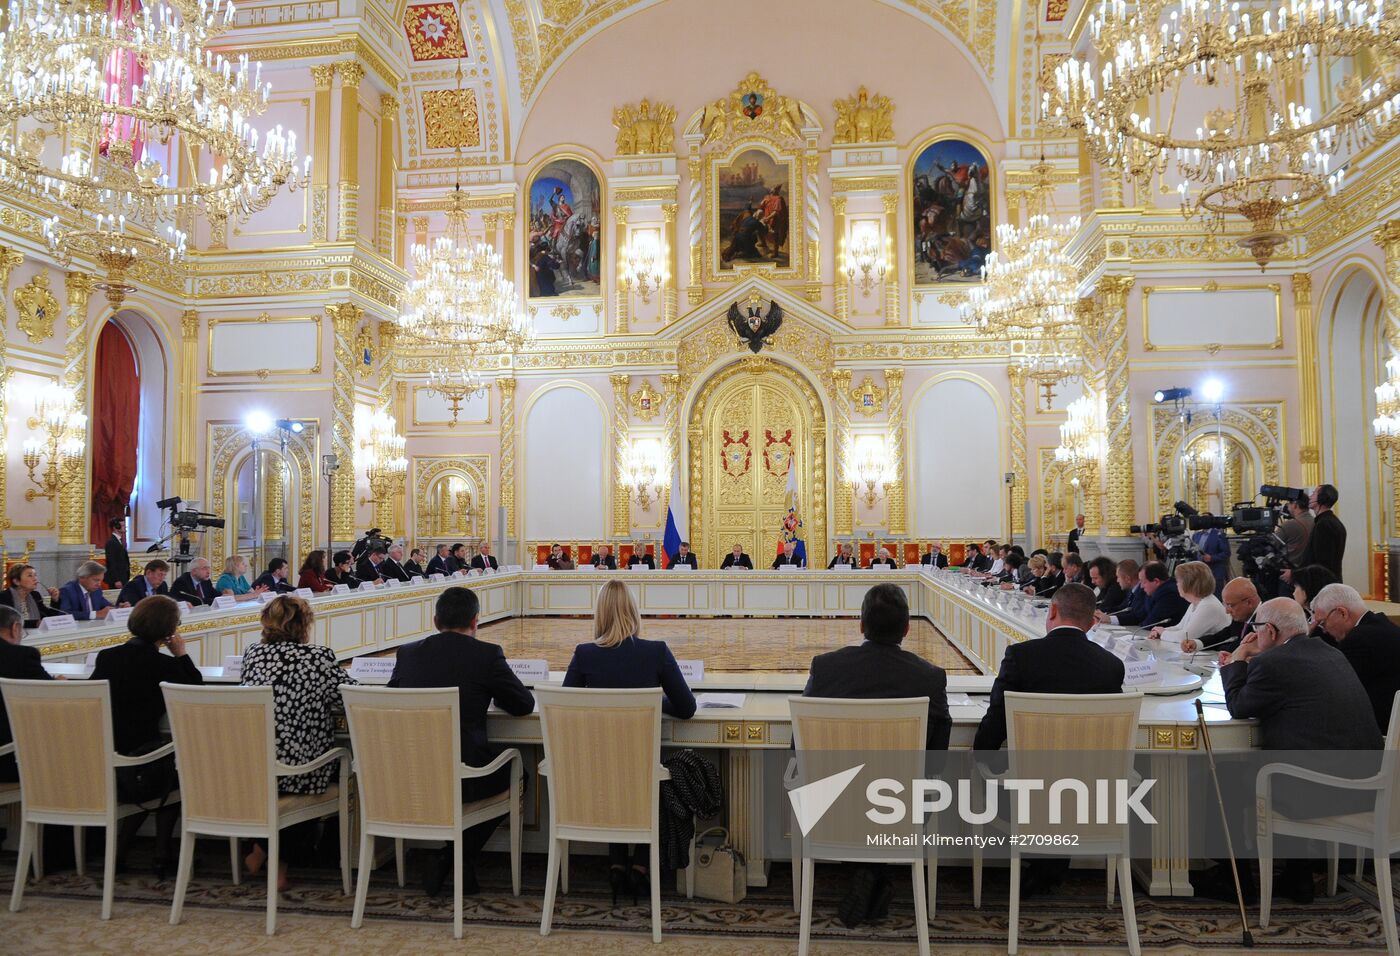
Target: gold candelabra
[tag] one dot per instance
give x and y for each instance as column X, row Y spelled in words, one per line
column 642, row 264
column 867, row 258
column 869, row 467
column 1386, row 424
column 381, row 448
column 64, row 429
column 646, row 472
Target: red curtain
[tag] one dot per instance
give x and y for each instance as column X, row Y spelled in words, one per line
column 116, row 424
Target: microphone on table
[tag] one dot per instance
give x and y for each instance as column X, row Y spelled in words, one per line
column 1244, row 629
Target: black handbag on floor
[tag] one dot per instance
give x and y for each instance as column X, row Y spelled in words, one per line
column 147, row 782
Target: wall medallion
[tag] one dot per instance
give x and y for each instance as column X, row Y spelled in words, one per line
column 37, row 308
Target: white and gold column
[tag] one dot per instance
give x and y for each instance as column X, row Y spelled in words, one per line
column 9, row 258
column 1309, row 387
column 507, row 387
column 841, row 286
column 73, row 499
column 622, row 496
column 187, row 434
column 388, row 136
column 346, row 319
column 1120, row 479
column 892, row 316
column 1020, row 458
column 669, row 298
column 896, row 512
column 321, row 75
column 620, row 216
column 843, row 499
column 351, row 73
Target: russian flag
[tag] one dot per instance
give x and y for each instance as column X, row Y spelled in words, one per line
column 675, row 521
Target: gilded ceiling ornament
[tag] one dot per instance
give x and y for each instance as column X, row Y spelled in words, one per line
column 644, row 129
column 753, row 107
column 864, row 119
column 646, row 402
column 868, row 398
column 451, row 119
column 37, row 308
column 434, row 32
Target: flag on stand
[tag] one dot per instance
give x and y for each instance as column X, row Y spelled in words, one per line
column 675, row 521
column 792, row 522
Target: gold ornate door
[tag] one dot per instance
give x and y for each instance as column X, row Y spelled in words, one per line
column 753, row 426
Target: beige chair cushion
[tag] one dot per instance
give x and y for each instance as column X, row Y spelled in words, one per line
column 503, row 798
column 292, row 802
column 9, row 792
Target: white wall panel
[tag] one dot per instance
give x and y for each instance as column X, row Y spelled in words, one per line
column 277, row 345
column 956, row 446
column 565, row 457
column 430, row 408
column 1185, row 318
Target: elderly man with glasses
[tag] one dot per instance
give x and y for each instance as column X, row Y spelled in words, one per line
column 1369, row 640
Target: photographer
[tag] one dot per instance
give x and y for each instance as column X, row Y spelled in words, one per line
column 1328, row 541
column 1296, row 530
column 1215, row 553
column 372, row 537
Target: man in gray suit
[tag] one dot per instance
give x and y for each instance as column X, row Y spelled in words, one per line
column 1305, row 695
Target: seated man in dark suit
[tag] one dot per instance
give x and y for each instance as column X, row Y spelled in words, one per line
column 1241, row 600
column 1075, row 573
column 457, row 559
column 340, row 571
column 194, row 585
column 393, row 565
column 18, row 661
column 1163, row 605
column 882, row 559
column 454, row 657
column 82, row 597
column 736, row 558
column 118, row 570
column 437, row 564
column 1103, row 578
column 374, row 566
column 274, row 578
column 879, row 668
column 1306, row 697
column 151, row 581
column 972, row 558
column 603, row 559
column 934, row 557
column 789, row 556
column 1064, row 661
column 1369, row 640
column 640, row 559
column 485, row 560
column 558, row 560
column 684, row 556
column 1015, row 571
column 414, row 564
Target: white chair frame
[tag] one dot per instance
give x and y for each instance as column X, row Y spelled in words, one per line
column 509, row 805
column 1371, row 832
column 806, row 852
column 1116, row 852
column 560, row 836
column 32, row 819
column 336, row 804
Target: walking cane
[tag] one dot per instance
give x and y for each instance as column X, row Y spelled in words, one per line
column 1248, row 939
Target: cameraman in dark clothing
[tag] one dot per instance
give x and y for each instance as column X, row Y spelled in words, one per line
column 1328, row 541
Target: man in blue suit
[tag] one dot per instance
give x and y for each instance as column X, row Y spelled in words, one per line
column 151, row 581
column 1164, row 606
column 82, row 597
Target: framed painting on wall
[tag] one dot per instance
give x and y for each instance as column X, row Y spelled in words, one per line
column 565, row 238
column 755, row 216
column 950, row 182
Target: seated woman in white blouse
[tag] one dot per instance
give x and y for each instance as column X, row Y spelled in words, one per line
column 1206, row 614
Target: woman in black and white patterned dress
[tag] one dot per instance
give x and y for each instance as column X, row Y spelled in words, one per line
column 305, row 681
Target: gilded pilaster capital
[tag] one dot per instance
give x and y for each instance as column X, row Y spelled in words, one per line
column 838, row 205
column 891, row 201
column 670, row 387
column 189, row 325
column 388, row 105
column 507, row 387
column 621, row 214
column 388, row 335
column 506, row 219
column 351, row 73
column 77, row 288
column 668, row 212
column 894, row 380
column 420, row 223
column 1115, row 289
column 9, row 258
column 1302, row 288
column 1017, row 375
column 1387, row 236
column 620, row 381
column 322, row 74
column 346, row 316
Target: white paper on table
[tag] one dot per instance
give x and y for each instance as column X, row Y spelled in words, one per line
column 692, row 671
column 719, row 700
column 233, row 666
column 966, row 700
column 1141, row 673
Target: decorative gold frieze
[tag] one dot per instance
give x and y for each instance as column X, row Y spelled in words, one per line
column 451, row 119
column 645, row 401
column 864, row 119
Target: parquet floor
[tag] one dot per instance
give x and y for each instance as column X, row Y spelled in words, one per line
column 781, row 645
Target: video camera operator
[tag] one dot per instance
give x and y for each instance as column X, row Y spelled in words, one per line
column 371, row 538
column 1328, row 541
column 1296, row 530
column 1167, row 540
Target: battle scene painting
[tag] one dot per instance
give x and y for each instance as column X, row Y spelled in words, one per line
column 755, row 211
column 565, row 235
column 952, row 212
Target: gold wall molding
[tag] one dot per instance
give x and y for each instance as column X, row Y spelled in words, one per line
column 345, row 318
column 645, row 129
column 644, row 194
column 1212, row 287
column 621, row 495
column 262, row 318
column 867, row 398
column 1020, row 465
column 351, row 44
column 1309, row 386
column 187, row 411
column 506, row 385
column 36, row 308
column 843, row 497
column 9, row 258
column 896, row 508
column 428, row 470
column 1256, row 426
column 73, row 498
column 1119, row 489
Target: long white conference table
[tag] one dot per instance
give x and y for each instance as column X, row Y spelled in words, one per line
column 980, row 622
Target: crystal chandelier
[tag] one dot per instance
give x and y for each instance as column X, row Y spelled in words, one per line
column 643, row 265
column 1386, row 424
column 869, row 466
column 1029, row 286
column 1248, row 158
column 866, row 258
column 381, row 455
column 646, row 472
column 1084, row 433
column 124, row 94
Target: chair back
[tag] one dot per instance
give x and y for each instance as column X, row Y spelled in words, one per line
column 1100, row 729
column 911, row 553
column 63, row 744
column 407, row 747
column 603, row 748
column 1387, row 804
column 831, row 735
column 866, row 553
column 226, row 752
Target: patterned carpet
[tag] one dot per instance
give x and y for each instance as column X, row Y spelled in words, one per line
column 1072, row 920
column 729, row 644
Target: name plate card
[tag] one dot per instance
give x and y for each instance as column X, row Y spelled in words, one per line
column 436, row 576
column 682, row 567
column 540, row 567
column 514, row 567
column 459, row 573
column 91, row 659
column 640, row 567
column 184, row 606
column 692, row 671
column 392, row 582
column 58, row 622
column 225, row 601
column 233, row 666
column 340, row 589
column 791, row 567
column 416, row 579
column 267, row 596
column 372, row 670
column 305, row 593
column 118, row 615
column 1141, row 673
column 529, row 670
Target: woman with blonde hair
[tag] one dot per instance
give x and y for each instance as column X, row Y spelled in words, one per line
column 1205, row 615
column 234, row 581
column 618, row 657
column 305, row 679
